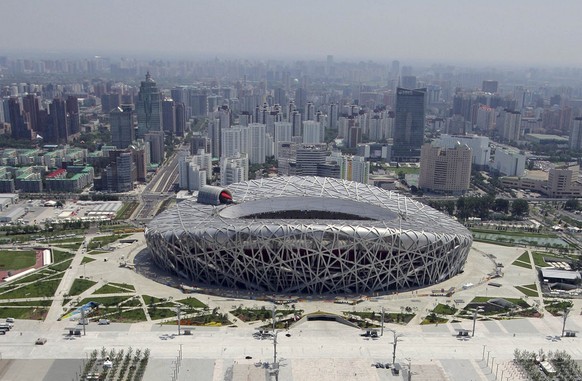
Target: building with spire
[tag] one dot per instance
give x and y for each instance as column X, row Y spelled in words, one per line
column 149, row 108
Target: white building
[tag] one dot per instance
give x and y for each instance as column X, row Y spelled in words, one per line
column 312, row 132
column 256, row 144
column 509, row 162
column 234, row 169
column 479, row 146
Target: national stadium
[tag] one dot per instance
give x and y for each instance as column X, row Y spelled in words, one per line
column 307, row 235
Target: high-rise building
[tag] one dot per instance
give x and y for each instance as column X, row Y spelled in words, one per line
column 445, row 169
column 234, row 140
column 408, row 81
column 312, row 132
column 256, row 134
column 31, row 106
column 234, row 169
column 509, row 125
column 576, row 134
column 180, row 119
column 332, row 116
column 156, row 141
column 122, row 130
column 169, row 116
column 58, row 129
column 72, row 104
column 20, row 125
column 148, row 107
column 489, row 86
column 408, row 124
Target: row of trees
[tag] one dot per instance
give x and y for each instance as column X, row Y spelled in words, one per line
column 481, row 207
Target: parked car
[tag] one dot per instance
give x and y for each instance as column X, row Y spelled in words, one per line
column 40, row 341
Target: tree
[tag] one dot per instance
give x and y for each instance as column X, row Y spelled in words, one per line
column 501, row 205
column 519, row 208
column 571, row 204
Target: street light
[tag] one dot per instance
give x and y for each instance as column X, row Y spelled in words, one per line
column 475, row 319
column 382, row 329
column 565, row 317
column 396, row 337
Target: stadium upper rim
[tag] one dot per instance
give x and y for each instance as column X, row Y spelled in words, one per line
column 380, row 208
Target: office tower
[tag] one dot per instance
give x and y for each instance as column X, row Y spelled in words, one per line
column 289, row 111
column 256, row 145
column 445, row 169
column 58, row 131
column 169, row 116
column 122, row 131
column 109, row 102
column 198, row 102
column 180, row 118
column 408, row 124
column 126, row 172
column 140, row 154
column 149, row 108
column 576, row 134
column 489, row 86
column 19, row 123
column 234, row 169
column 156, row 141
column 31, row 106
column 408, row 82
column 312, row 132
column 73, row 115
column 182, row 95
column 332, row 116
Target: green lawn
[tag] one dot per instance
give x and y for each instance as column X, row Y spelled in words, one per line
column 110, row 301
column 161, row 313
column 34, row 290
column 524, row 257
column 128, row 316
column 16, row 260
column 123, row 285
column 80, row 285
column 109, row 289
column 59, row 255
column 42, row 303
column 23, row 313
column 522, row 264
column 87, row 260
column 192, row 302
column 515, row 233
column 538, row 257
column 105, row 240
column 444, row 309
column 528, row 291
column 62, row 266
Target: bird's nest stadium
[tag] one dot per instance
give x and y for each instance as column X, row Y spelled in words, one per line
column 307, row 235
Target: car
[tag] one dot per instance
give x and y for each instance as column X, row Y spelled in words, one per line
column 103, row 321
column 9, row 320
column 40, row 341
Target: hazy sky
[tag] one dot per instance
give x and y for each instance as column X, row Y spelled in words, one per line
column 490, row 31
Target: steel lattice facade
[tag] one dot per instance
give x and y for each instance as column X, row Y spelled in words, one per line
column 309, row 235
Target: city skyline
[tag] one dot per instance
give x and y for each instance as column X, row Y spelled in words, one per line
column 520, row 32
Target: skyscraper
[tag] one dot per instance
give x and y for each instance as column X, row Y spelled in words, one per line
column 58, row 131
column 73, row 116
column 122, row 131
column 18, row 120
column 408, row 124
column 148, row 107
column 169, row 116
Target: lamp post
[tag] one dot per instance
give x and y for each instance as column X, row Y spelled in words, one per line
column 475, row 319
column 178, row 316
column 395, row 343
column 565, row 317
column 382, row 329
